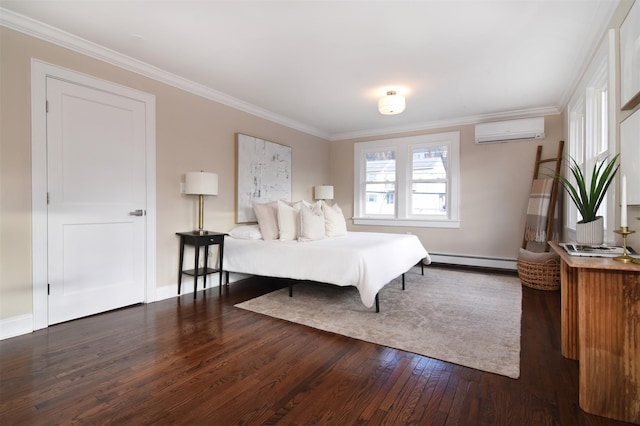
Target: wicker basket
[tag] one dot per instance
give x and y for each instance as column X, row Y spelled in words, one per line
column 541, row 276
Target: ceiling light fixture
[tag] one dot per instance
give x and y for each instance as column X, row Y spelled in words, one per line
column 391, row 104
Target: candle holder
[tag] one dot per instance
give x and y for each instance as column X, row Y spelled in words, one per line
column 624, row 231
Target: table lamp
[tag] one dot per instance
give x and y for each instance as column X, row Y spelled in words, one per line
column 323, row 192
column 200, row 184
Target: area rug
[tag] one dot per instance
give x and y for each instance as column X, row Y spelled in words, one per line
column 467, row 318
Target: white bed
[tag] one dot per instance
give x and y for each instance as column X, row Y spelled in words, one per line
column 366, row 260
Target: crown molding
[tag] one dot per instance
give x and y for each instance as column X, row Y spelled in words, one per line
column 48, row 33
column 461, row 121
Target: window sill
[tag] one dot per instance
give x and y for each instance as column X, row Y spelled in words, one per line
column 416, row 223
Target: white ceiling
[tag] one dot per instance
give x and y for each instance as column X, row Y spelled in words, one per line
column 320, row 66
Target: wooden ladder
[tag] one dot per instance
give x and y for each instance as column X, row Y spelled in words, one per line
column 554, row 191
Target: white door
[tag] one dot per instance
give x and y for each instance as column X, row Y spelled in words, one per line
column 96, row 180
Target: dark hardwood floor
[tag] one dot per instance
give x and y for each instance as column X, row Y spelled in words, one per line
column 181, row 361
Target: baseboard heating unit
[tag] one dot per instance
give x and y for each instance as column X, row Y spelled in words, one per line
column 480, row 261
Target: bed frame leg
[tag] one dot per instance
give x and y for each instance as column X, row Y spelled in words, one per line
column 422, row 266
column 290, row 288
column 402, row 281
column 377, row 304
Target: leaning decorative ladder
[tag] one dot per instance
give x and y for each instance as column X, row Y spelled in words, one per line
column 541, row 270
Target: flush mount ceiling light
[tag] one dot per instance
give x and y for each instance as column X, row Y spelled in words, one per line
column 391, row 104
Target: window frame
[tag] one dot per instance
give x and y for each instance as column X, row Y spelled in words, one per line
column 403, row 148
column 591, row 108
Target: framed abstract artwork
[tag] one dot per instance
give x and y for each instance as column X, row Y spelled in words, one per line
column 630, row 58
column 263, row 174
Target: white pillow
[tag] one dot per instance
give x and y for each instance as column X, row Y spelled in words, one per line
column 311, row 222
column 246, row 232
column 334, row 222
column 289, row 220
column 267, row 215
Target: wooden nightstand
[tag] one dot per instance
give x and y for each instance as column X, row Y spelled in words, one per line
column 198, row 241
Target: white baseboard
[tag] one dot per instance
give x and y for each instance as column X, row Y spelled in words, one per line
column 23, row 324
column 169, row 291
column 16, row 326
column 484, row 262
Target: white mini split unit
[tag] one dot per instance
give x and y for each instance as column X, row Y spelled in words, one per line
column 511, row 130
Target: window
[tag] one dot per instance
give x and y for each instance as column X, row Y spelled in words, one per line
column 380, row 182
column 410, row 181
column 590, row 134
column 429, row 180
column 576, row 151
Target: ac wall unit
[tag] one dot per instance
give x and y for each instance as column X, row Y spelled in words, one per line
column 511, row 130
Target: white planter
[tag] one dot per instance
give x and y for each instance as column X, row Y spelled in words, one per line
column 590, row 233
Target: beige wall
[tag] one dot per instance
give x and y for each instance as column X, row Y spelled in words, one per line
column 193, row 133
column 495, row 180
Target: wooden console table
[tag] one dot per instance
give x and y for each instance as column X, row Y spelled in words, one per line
column 601, row 329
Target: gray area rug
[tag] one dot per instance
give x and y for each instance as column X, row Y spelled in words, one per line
column 467, row 318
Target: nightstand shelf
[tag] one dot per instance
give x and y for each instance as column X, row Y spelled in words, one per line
column 200, row 272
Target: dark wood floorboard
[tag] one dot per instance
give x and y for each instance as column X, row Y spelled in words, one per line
column 181, row 361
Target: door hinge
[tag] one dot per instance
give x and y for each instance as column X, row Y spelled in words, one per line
column 47, row 198
column 48, row 289
column 46, row 106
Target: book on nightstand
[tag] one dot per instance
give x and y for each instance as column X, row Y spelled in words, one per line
column 575, row 249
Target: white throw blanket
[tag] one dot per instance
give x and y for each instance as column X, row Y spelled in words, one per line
column 366, row 260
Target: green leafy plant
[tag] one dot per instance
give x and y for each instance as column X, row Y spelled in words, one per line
column 588, row 198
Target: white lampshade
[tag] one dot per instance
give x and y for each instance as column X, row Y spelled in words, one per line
column 391, row 104
column 323, row 192
column 201, row 183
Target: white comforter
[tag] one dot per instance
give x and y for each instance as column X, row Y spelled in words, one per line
column 365, row 260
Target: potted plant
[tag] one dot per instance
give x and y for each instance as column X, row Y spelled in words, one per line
column 588, row 195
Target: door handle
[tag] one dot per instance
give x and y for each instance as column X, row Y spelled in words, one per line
column 138, row 212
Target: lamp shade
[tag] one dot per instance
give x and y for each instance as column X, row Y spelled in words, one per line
column 201, row 183
column 391, row 104
column 323, row 192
